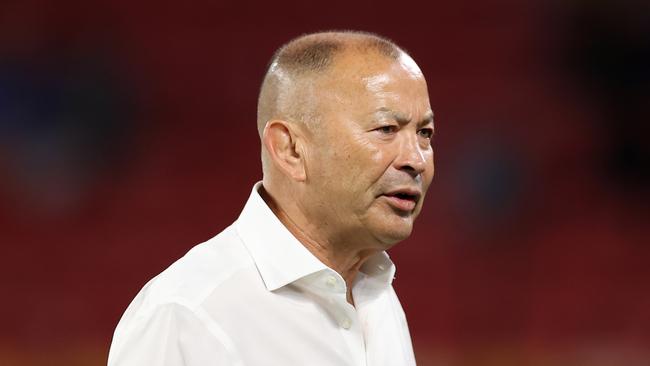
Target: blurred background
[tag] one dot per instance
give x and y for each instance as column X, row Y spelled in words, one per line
column 127, row 135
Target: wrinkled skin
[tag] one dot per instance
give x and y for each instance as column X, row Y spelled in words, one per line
column 374, row 136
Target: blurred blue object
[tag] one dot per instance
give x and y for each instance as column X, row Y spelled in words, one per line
column 64, row 119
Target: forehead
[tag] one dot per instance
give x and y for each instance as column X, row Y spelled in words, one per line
column 364, row 83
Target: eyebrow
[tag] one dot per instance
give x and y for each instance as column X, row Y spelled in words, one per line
column 402, row 119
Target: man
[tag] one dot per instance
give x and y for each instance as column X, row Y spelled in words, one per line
column 302, row 277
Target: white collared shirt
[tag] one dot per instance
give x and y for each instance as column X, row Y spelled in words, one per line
column 254, row 295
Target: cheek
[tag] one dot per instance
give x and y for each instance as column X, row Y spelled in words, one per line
column 427, row 175
column 333, row 165
column 351, row 165
column 367, row 160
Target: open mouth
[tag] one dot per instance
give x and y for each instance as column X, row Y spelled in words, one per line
column 403, row 200
column 405, row 196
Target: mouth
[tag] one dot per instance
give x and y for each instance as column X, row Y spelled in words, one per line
column 403, row 199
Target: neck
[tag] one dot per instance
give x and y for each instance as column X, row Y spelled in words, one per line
column 336, row 255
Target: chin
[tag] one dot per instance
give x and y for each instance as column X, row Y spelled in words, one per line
column 389, row 226
column 394, row 231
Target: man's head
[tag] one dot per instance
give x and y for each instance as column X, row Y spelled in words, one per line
column 345, row 123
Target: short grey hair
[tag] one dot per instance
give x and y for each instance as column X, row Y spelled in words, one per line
column 306, row 58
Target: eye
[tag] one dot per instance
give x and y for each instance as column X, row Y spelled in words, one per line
column 427, row 133
column 388, row 129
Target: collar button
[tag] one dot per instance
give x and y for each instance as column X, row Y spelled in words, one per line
column 330, row 281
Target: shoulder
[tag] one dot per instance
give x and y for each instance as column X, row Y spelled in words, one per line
column 169, row 308
column 185, row 337
column 198, row 274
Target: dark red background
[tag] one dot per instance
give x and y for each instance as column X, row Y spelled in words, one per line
column 128, row 136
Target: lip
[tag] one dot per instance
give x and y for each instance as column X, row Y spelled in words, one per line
column 410, row 198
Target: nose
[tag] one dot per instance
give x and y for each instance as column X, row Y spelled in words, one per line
column 410, row 157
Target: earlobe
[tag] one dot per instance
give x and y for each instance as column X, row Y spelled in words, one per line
column 282, row 141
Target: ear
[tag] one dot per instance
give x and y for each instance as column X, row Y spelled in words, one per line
column 283, row 143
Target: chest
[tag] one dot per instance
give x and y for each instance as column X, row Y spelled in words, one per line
column 291, row 326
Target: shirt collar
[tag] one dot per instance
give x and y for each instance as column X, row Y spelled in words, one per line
column 280, row 258
column 379, row 269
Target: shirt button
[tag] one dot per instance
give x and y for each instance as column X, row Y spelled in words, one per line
column 345, row 323
column 330, row 281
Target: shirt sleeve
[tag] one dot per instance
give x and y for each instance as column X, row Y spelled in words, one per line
column 172, row 335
